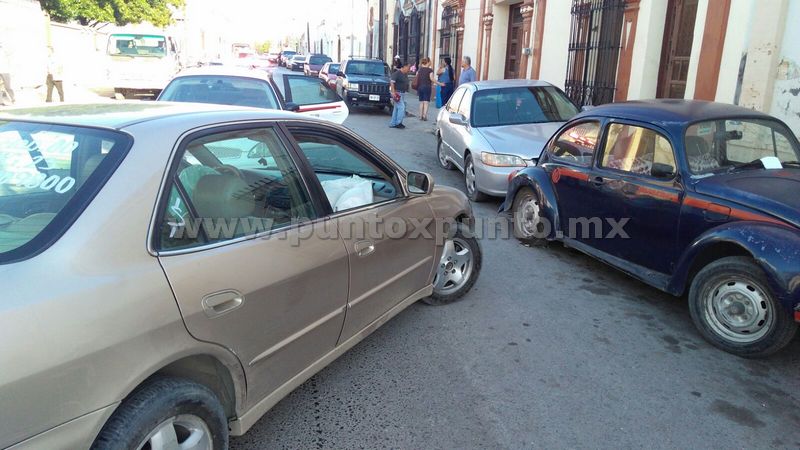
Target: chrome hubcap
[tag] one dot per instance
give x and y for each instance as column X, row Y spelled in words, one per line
column 528, row 218
column 469, row 175
column 442, row 159
column 738, row 310
column 454, row 268
column 184, row 432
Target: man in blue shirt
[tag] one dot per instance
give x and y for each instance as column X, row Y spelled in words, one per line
column 467, row 72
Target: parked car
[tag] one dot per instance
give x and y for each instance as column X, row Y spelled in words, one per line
column 285, row 56
column 298, row 62
column 364, row 82
column 708, row 197
column 328, row 73
column 314, row 65
column 258, row 89
column 177, row 269
column 490, row 128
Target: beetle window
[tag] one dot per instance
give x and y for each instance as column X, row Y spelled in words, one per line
column 576, row 144
column 637, row 150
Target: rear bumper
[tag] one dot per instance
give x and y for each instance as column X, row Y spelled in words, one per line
column 361, row 98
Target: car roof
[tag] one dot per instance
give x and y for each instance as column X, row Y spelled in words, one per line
column 225, row 71
column 118, row 115
column 495, row 84
column 667, row 112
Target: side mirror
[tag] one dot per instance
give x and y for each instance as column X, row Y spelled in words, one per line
column 419, row 183
column 293, row 107
column 458, row 119
column 661, row 170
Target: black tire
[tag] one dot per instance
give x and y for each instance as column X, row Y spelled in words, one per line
column 447, row 165
column 536, row 237
column 474, row 194
column 157, row 401
column 462, row 235
column 779, row 327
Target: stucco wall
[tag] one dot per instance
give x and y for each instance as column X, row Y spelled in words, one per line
column 647, row 49
column 556, row 42
column 786, row 93
column 697, row 44
column 736, row 38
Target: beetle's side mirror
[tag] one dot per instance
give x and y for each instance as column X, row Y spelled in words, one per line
column 661, row 170
column 293, row 107
column 457, row 119
column 419, row 183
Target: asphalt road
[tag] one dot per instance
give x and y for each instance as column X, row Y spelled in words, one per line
column 551, row 349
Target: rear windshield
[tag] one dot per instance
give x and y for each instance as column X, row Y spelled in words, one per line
column 137, row 45
column 221, row 90
column 333, row 68
column 48, row 173
column 373, row 68
column 520, row 105
column 319, row 60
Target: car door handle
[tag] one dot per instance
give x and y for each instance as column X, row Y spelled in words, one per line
column 598, row 181
column 215, row 305
column 364, row 248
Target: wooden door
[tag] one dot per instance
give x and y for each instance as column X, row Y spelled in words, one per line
column 515, row 41
column 677, row 48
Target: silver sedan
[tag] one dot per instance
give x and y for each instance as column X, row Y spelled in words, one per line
column 489, row 129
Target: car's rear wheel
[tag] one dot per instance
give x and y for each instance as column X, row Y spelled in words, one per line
column 167, row 413
column 529, row 225
column 471, row 182
column 443, row 161
column 458, row 268
column 734, row 308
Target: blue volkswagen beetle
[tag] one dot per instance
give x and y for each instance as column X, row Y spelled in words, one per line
column 690, row 197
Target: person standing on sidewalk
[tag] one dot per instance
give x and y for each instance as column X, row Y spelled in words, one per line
column 425, row 81
column 6, row 91
column 398, row 89
column 446, row 76
column 467, row 72
column 55, row 76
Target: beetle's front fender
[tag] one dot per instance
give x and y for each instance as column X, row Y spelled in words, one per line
column 775, row 248
column 538, row 180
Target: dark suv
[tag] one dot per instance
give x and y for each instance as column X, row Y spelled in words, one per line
column 364, row 82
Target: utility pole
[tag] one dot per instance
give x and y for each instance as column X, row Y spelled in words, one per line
column 381, row 29
column 308, row 36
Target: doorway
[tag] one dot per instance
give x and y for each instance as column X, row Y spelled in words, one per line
column 677, row 48
column 515, row 41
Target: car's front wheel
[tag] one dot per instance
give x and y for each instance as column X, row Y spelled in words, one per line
column 734, row 308
column 529, row 226
column 167, row 413
column 471, row 182
column 443, row 161
column 458, row 268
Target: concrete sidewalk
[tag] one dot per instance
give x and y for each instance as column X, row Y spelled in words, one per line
column 412, row 121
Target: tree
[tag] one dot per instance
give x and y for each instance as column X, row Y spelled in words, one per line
column 120, row 12
column 263, row 47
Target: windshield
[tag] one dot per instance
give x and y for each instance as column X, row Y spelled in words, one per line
column 221, row 90
column 47, row 174
column 372, row 68
column 137, row 45
column 319, row 60
column 520, row 105
column 720, row 145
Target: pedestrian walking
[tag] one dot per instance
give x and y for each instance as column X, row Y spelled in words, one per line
column 467, row 72
column 55, row 76
column 446, row 78
column 424, row 85
column 6, row 91
column 398, row 88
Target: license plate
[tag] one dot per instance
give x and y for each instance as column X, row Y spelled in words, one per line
column 374, row 98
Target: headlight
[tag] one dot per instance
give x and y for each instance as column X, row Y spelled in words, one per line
column 352, row 86
column 498, row 160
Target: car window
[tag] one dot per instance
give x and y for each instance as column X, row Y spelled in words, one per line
column 318, row 60
column 333, row 68
column 310, row 91
column 518, row 105
column 635, row 149
column 576, row 144
column 230, row 185
column 466, row 103
column 349, row 179
column 221, row 90
column 455, row 100
column 721, row 144
column 47, row 174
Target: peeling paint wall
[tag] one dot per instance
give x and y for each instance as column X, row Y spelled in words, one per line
column 786, row 93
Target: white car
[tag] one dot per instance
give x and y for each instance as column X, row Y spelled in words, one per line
column 490, row 129
column 256, row 88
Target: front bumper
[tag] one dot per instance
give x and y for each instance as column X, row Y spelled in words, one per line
column 362, row 98
column 492, row 180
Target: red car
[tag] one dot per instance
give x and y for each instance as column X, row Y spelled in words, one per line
column 328, row 72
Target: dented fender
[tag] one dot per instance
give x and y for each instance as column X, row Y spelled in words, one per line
column 775, row 248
